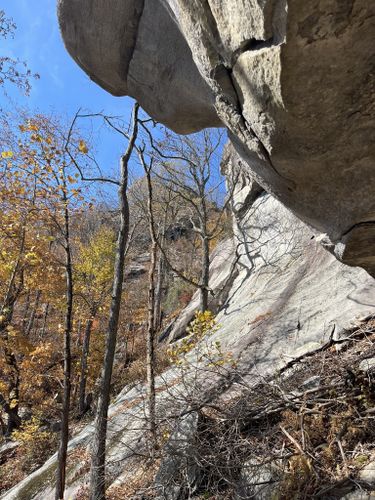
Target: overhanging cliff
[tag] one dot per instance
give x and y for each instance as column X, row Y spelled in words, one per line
column 292, row 81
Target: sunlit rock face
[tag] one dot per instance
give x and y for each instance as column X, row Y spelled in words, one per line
column 292, row 81
column 284, row 296
column 135, row 48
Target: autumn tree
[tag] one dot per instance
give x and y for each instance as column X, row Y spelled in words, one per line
column 98, row 454
column 17, row 256
column 13, row 70
column 25, row 246
column 40, row 156
column 186, row 164
column 167, row 211
column 93, row 277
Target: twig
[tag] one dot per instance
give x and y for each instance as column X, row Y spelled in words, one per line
column 292, row 440
column 342, row 455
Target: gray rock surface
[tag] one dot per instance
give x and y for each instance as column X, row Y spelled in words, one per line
column 179, row 452
column 295, row 292
column 258, row 480
column 367, row 365
column 134, row 47
column 292, row 81
column 288, row 296
column 223, row 271
column 367, row 474
column 360, row 495
column 366, row 477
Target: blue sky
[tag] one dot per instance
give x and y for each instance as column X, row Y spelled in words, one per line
column 63, row 87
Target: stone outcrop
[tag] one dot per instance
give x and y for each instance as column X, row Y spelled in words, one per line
column 288, row 285
column 287, row 297
column 118, row 44
column 292, row 81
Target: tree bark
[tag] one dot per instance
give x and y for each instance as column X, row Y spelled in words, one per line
column 79, row 338
column 159, row 291
column 13, row 419
column 150, row 361
column 26, row 312
column 45, row 317
column 12, row 295
column 64, row 436
column 84, row 357
column 11, row 407
column 33, row 313
column 205, row 275
column 97, row 473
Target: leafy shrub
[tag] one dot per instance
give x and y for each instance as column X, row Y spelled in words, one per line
column 36, row 445
column 209, row 353
column 203, row 324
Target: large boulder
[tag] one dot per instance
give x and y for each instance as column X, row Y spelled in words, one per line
column 134, row 47
column 292, row 81
column 289, row 294
column 286, row 297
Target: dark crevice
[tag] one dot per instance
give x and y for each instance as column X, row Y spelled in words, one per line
column 252, row 45
column 255, row 192
column 228, row 104
column 359, row 224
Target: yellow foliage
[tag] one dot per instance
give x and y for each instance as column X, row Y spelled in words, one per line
column 95, row 260
column 212, row 355
column 7, row 154
column 35, row 445
column 82, row 147
column 27, row 432
column 13, row 403
column 203, row 324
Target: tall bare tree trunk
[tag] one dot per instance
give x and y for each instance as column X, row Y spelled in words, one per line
column 84, row 357
column 205, row 275
column 159, row 290
column 151, row 350
column 45, row 318
column 151, row 327
column 97, row 473
column 33, row 313
column 64, row 436
column 150, row 361
column 79, row 339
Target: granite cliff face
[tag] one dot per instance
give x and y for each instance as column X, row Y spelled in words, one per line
column 292, row 81
column 279, row 296
column 294, row 84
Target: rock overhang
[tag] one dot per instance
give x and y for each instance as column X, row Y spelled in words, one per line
column 135, row 48
column 293, row 83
